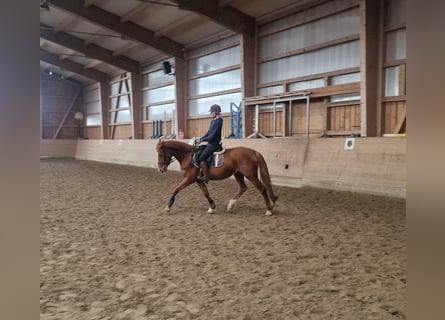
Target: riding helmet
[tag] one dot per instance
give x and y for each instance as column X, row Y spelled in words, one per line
column 215, row 108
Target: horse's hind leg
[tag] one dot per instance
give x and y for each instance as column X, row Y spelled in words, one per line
column 263, row 190
column 239, row 178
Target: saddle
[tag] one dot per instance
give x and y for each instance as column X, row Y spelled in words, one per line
column 215, row 160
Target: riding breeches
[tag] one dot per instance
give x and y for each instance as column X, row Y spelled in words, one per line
column 208, row 150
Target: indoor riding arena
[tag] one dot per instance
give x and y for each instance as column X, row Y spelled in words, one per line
column 317, row 87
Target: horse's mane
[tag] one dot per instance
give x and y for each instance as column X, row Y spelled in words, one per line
column 175, row 145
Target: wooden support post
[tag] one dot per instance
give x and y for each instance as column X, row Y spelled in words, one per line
column 105, row 107
column 136, row 105
column 248, row 81
column 369, row 65
column 181, row 97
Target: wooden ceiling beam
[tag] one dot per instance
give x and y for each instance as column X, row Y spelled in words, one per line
column 69, row 74
column 127, row 29
column 66, row 55
column 89, row 3
column 136, row 11
column 90, row 50
column 131, row 46
column 73, row 67
column 227, row 16
column 92, row 64
column 177, row 25
column 66, row 24
column 93, row 37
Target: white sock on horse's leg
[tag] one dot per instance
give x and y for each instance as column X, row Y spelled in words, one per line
column 231, row 204
column 211, row 210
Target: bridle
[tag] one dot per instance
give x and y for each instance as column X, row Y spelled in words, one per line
column 165, row 160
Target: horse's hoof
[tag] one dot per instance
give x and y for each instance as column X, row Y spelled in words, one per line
column 268, row 213
column 167, row 209
column 231, row 204
column 211, row 210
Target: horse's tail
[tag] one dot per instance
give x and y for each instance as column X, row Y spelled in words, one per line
column 265, row 177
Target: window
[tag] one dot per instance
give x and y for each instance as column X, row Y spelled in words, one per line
column 395, row 48
column 215, row 77
column 93, row 105
column 158, row 94
column 311, row 42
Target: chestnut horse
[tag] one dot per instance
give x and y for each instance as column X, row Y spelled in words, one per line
column 239, row 161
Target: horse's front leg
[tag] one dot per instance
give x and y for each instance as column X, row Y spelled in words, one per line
column 184, row 183
column 206, row 194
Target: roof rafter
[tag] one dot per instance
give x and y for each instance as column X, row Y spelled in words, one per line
column 226, row 16
column 136, row 11
column 91, row 50
column 177, row 24
column 128, row 29
column 73, row 67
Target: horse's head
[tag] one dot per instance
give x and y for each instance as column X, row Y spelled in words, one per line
column 170, row 150
column 164, row 156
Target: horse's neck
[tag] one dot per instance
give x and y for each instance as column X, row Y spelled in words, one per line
column 181, row 152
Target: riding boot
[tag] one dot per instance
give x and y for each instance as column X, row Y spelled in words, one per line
column 204, row 172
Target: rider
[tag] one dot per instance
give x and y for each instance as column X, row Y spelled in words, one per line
column 212, row 139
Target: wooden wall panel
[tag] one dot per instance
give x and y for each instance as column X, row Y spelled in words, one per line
column 296, row 126
column 59, row 102
column 70, row 133
column 58, row 148
column 343, row 119
column 316, row 118
column 94, row 132
column 122, row 131
column 198, row 127
column 48, row 132
column 66, row 132
column 147, row 130
column 266, row 123
column 394, row 112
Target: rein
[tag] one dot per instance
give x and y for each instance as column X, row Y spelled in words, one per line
column 165, row 160
column 172, row 151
